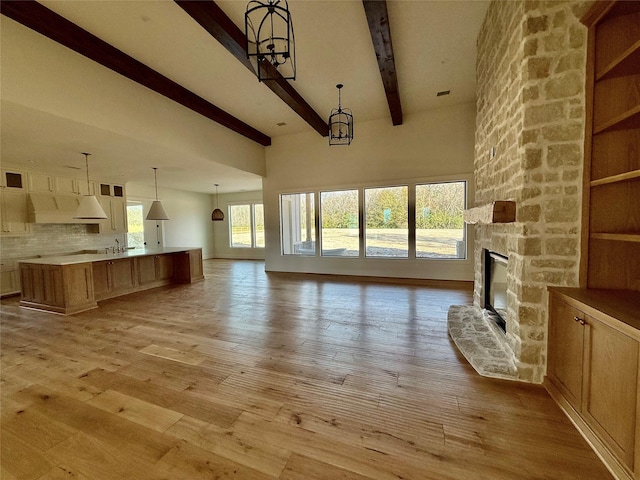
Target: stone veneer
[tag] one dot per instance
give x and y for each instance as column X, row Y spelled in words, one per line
column 530, row 79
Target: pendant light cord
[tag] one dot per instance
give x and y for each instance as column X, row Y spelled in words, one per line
column 155, row 177
column 86, row 161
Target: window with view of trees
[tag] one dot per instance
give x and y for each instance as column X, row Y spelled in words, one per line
column 340, row 233
column 384, row 212
column 297, row 222
column 135, row 225
column 439, row 224
column 246, row 226
column 258, row 225
column 386, row 222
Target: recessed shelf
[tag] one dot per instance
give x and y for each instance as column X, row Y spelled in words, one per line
column 628, row 119
column 628, row 63
column 617, row 237
column 621, row 177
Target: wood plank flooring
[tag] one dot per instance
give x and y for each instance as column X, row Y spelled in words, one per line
column 249, row 375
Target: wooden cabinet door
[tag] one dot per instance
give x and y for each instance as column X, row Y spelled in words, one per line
column 100, row 279
column 146, row 269
column 195, row 259
column 164, row 267
column 121, row 275
column 565, row 350
column 611, row 387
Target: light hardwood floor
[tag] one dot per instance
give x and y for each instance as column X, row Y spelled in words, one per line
column 255, row 376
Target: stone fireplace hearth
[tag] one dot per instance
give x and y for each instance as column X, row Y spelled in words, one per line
column 481, row 342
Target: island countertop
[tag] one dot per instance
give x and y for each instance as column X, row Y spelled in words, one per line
column 72, row 259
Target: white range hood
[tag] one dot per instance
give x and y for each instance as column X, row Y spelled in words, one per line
column 52, row 208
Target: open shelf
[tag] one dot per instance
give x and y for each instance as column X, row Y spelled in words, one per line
column 626, row 120
column 628, row 63
column 621, row 177
column 617, row 237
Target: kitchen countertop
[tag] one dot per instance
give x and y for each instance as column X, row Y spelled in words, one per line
column 72, row 259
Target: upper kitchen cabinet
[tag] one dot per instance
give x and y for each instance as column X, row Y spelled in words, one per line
column 114, row 204
column 14, row 213
column 74, row 186
column 13, row 179
column 39, row 182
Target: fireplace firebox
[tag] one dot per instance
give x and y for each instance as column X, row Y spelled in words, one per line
column 495, row 287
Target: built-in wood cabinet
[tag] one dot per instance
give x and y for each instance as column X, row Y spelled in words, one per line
column 9, row 277
column 188, row 266
column 593, row 357
column 113, row 277
column 612, row 146
column 61, row 287
column 156, row 269
column 593, row 370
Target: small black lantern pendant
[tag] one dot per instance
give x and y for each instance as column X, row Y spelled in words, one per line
column 270, row 42
column 340, row 124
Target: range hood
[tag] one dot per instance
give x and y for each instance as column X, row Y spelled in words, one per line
column 52, row 208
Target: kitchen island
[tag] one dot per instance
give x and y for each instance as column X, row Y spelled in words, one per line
column 68, row 284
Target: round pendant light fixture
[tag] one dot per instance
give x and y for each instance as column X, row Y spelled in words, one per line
column 217, row 215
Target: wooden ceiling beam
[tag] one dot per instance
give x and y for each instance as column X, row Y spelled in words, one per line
column 378, row 20
column 48, row 23
column 211, row 17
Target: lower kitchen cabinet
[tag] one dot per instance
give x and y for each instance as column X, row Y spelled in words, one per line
column 155, row 269
column 592, row 371
column 188, row 266
column 9, row 277
column 57, row 288
column 113, row 277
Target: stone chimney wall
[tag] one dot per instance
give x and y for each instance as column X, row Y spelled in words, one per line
column 530, row 111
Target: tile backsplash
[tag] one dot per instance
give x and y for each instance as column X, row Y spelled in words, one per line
column 53, row 239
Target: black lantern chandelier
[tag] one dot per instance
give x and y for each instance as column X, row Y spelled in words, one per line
column 270, row 43
column 340, row 124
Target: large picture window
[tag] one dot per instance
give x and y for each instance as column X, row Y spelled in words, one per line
column 246, row 226
column 439, row 224
column 418, row 220
column 386, row 221
column 340, row 234
column 297, row 222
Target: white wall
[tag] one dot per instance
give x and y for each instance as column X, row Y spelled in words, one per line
column 189, row 213
column 221, row 235
column 434, row 145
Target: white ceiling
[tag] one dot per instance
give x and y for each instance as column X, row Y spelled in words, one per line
column 434, row 46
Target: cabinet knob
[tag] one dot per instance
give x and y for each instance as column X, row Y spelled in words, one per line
column 576, row 319
column 582, row 321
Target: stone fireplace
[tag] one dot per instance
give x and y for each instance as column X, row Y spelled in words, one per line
column 529, row 149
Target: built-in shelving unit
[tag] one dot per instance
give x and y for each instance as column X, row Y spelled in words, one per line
column 612, row 166
column 594, row 332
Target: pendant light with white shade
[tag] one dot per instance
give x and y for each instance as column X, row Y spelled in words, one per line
column 217, row 215
column 157, row 212
column 89, row 208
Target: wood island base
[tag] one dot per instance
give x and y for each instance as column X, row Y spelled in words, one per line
column 73, row 284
